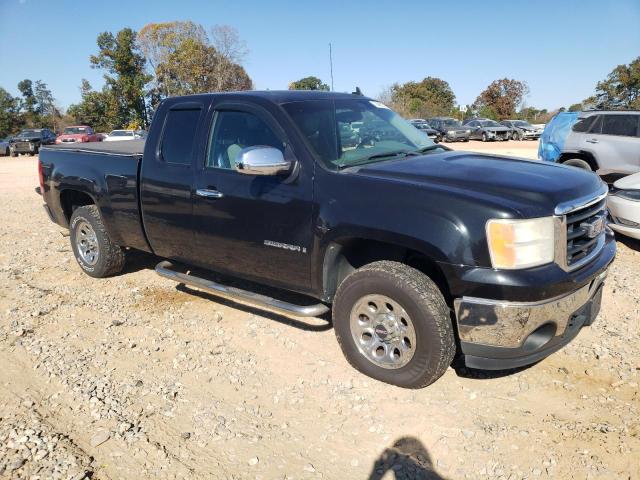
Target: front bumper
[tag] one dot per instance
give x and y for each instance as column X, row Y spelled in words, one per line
column 624, row 216
column 497, row 334
column 23, row 147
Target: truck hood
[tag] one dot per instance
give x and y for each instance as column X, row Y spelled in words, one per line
column 530, row 188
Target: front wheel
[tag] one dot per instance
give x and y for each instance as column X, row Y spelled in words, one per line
column 96, row 254
column 484, row 137
column 14, row 153
column 393, row 324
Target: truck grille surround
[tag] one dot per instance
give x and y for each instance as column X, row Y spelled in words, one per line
column 585, row 230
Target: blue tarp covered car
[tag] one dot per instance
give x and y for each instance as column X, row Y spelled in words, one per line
column 554, row 135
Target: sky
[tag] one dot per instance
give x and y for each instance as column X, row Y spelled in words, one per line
column 560, row 48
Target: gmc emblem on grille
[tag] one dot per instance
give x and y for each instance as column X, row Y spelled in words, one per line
column 593, row 227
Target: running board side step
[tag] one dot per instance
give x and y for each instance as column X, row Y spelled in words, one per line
column 164, row 269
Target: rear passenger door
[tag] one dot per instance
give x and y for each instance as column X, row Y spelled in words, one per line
column 167, row 177
column 615, row 142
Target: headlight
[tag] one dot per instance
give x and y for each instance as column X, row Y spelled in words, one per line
column 451, row 132
column 467, row 131
column 515, row 244
column 628, row 194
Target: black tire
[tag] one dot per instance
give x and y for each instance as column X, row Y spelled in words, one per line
column 422, row 301
column 484, row 137
column 110, row 257
column 7, row 152
column 515, row 136
column 14, row 154
column 578, row 163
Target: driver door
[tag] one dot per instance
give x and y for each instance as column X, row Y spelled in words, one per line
column 253, row 226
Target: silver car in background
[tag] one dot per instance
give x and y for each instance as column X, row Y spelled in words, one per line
column 607, row 142
column 522, row 130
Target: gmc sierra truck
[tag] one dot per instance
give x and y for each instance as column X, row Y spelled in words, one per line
column 421, row 253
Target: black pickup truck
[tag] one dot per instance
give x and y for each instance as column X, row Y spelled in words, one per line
column 422, row 252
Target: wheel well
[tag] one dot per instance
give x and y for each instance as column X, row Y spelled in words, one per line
column 72, row 199
column 345, row 256
column 587, row 157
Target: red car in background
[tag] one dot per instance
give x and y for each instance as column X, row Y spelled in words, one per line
column 80, row 133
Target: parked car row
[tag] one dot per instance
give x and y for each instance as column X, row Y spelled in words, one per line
column 449, row 129
column 30, row 140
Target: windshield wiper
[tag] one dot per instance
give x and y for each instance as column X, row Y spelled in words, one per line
column 427, row 148
column 378, row 156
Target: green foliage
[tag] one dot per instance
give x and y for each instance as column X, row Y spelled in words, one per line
column 501, row 98
column 185, row 61
column 534, row 115
column 10, row 118
column 576, row 107
column 430, row 97
column 125, row 77
column 308, row 83
column 92, row 109
column 621, row 88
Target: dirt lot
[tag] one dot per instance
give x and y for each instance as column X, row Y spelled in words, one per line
column 130, row 377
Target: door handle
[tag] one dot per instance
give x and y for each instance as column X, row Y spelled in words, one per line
column 592, row 140
column 205, row 192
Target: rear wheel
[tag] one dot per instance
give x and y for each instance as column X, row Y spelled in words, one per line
column 393, row 324
column 96, row 254
column 578, row 163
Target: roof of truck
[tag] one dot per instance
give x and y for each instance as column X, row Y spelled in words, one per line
column 279, row 96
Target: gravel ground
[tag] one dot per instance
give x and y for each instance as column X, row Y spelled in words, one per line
column 130, row 377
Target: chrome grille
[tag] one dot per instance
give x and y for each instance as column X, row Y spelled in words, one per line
column 585, row 233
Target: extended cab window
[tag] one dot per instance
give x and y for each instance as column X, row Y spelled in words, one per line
column 235, row 130
column 623, row 125
column 179, row 135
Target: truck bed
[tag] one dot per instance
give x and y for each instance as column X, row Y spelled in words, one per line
column 127, row 148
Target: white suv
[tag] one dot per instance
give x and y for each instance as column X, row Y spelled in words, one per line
column 604, row 141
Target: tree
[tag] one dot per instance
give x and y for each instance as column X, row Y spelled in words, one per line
column 45, row 105
column 125, row 76
column 576, row 107
column 28, row 103
column 226, row 40
column 185, row 61
column 10, row 119
column 93, row 109
column 428, row 98
column 621, row 88
column 502, row 98
column 308, row 83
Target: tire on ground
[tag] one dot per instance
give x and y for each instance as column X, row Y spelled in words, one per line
column 111, row 257
column 578, row 163
column 423, row 302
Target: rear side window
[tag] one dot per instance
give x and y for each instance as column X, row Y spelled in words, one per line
column 583, row 124
column 622, row 125
column 179, row 135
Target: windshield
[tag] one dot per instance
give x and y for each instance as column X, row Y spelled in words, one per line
column 521, row 123
column 121, row 133
column 452, row 123
column 75, row 130
column 490, row 123
column 28, row 133
column 348, row 132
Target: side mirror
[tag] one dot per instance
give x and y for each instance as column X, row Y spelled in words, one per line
column 262, row 160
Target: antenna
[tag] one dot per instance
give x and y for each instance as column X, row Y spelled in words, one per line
column 331, row 65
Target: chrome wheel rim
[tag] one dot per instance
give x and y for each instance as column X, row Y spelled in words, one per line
column 87, row 243
column 383, row 331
